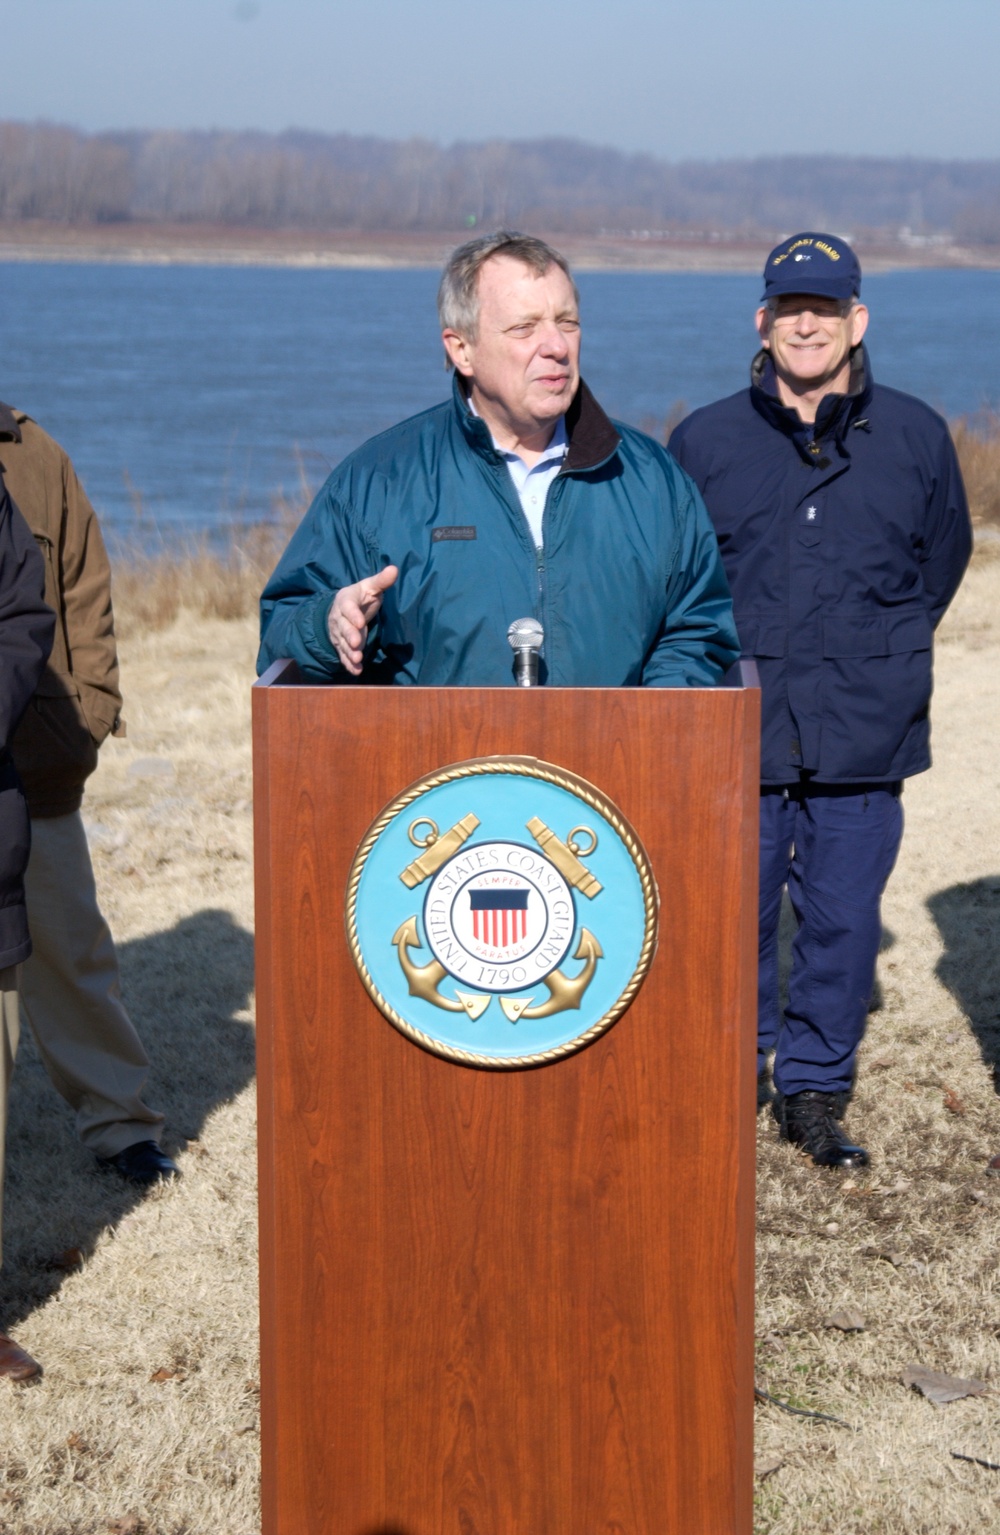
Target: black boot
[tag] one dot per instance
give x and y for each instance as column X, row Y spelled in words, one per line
column 810, row 1120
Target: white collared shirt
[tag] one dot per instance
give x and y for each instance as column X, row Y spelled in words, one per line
column 532, row 485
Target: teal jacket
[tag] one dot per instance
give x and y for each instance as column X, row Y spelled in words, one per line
column 629, row 587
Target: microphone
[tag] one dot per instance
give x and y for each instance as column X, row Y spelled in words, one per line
column 525, row 637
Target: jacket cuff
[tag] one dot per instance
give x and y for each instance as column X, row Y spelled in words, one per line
column 102, row 713
column 318, row 641
column 320, row 645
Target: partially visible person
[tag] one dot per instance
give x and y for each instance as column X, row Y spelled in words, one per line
column 26, row 630
column 70, row 988
column 844, row 530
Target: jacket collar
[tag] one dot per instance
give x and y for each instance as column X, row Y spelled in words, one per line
column 592, row 435
column 9, row 429
column 836, row 413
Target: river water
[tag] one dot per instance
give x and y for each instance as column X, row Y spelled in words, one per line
column 193, row 397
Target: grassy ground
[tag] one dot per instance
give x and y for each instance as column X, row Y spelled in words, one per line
column 146, row 1420
column 912, row 1244
column 147, row 1414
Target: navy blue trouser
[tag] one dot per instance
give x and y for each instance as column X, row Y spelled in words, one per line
column 834, row 845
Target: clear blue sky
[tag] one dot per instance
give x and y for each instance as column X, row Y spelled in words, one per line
column 702, row 78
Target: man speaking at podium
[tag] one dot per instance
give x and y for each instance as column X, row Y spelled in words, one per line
column 518, row 497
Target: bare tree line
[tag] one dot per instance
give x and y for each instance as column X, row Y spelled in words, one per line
column 348, row 182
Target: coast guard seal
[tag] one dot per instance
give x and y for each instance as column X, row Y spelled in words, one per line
column 524, row 926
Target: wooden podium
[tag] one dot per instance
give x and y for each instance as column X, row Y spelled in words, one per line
column 507, row 1302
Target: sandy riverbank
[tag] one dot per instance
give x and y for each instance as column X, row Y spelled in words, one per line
column 219, row 245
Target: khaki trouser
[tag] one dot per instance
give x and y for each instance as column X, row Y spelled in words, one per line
column 8, row 1050
column 71, row 994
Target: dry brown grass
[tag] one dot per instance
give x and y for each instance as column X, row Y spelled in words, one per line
column 223, row 580
column 152, row 590
column 928, row 1199
column 977, row 439
column 146, row 1420
column 168, row 1283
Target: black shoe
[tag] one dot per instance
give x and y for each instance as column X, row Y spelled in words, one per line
column 765, row 1092
column 142, row 1162
column 810, row 1120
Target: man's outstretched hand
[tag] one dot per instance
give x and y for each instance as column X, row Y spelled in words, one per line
column 353, row 609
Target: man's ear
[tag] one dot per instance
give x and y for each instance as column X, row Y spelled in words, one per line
column 459, row 352
column 762, row 320
column 859, row 319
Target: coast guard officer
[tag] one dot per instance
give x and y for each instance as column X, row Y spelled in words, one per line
column 843, row 525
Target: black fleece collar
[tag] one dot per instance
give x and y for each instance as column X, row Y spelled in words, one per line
column 836, row 413
column 591, row 433
column 9, row 429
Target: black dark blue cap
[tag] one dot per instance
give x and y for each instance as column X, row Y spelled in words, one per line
column 812, row 263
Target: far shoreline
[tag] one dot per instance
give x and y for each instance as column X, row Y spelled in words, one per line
column 134, row 244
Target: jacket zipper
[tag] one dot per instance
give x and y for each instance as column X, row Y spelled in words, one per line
column 504, row 478
column 540, row 570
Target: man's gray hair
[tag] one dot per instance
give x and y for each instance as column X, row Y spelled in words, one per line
column 458, row 293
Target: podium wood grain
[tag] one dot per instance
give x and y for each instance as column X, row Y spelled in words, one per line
column 507, row 1302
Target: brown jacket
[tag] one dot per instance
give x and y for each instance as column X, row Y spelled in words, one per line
column 77, row 702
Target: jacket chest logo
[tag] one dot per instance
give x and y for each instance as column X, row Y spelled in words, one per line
column 458, row 534
column 809, row 523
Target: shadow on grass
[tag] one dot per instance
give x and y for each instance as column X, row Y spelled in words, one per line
column 968, row 918
column 183, row 988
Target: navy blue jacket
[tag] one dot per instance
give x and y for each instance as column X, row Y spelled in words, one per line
column 629, row 588
column 27, row 627
column 844, row 543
